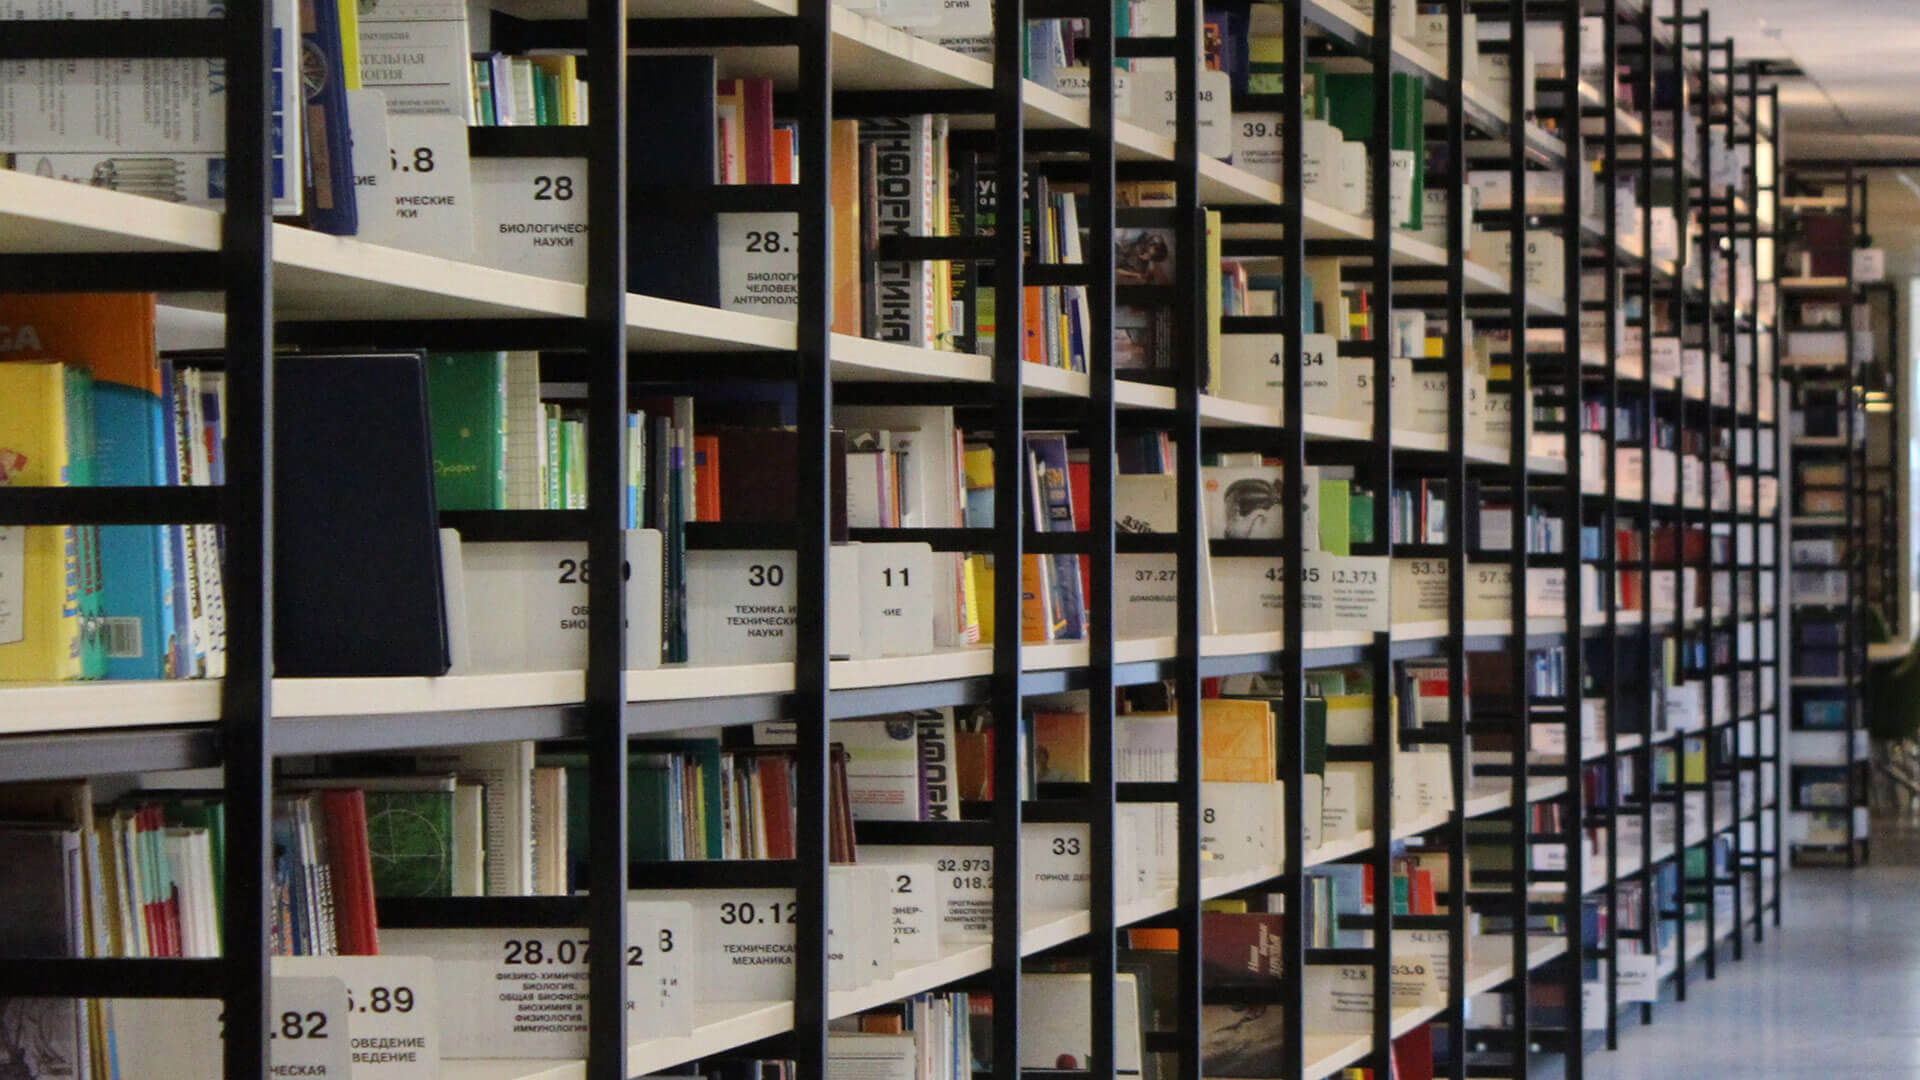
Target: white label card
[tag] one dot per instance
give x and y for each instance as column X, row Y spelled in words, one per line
column 13, row 584
column 740, row 607
column 1153, row 108
column 527, row 603
column 1058, row 873
column 530, row 216
column 915, row 892
column 1639, row 978
column 391, row 1012
column 963, row 887
column 746, row 943
column 1419, row 590
column 309, row 1028
column 426, row 203
column 1346, row 592
column 1339, row 999
column 760, row 264
column 1257, row 146
column 522, row 993
column 896, row 593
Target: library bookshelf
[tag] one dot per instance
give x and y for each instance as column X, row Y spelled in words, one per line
column 1652, row 851
column 1831, row 358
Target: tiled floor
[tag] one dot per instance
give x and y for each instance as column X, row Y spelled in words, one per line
column 1836, row 993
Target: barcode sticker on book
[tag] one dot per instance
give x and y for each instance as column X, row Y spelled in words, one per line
column 123, row 637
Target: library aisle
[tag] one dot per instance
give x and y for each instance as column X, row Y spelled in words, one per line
column 1835, row 993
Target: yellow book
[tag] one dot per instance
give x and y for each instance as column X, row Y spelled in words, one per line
column 978, row 463
column 1227, row 907
column 1236, row 740
column 350, row 44
column 970, row 629
column 980, row 590
column 1036, row 623
column 40, row 625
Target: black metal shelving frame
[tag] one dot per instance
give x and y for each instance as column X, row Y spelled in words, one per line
column 596, row 344
column 1849, row 527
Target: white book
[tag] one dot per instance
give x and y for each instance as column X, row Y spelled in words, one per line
column 872, row 1056
column 418, row 53
column 505, row 771
column 453, row 577
column 1056, row 1022
column 469, row 839
column 152, row 127
column 526, row 433
column 883, row 766
column 906, row 149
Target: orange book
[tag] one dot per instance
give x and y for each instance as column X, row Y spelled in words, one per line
column 1035, row 626
column 706, row 478
column 1236, row 740
column 1034, row 317
column 1154, row 937
column 973, row 760
column 1060, row 747
column 783, row 161
column 845, row 194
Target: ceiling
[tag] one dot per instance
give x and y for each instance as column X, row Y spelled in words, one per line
column 1859, row 99
column 1862, row 64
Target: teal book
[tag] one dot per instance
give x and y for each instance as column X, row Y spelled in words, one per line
column 467, row 402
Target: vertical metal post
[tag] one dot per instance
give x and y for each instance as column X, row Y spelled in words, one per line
column 1099, row 210
column 1294, row 459
column 606, row 542
column 1850, row 626
column 1190, row 330
column 1648, row 695
column 1572, row 822
column 246, row 695
column 1458, row 350
column 1520, row 818
column 1610, row 516
column 813, row 372
column 1386, row 741
column 1009, row 520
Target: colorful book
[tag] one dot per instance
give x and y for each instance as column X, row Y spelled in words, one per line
column 41, row 634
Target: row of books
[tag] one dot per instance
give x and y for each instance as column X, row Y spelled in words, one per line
column 518, row 91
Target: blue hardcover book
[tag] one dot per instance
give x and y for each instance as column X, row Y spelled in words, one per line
column 330, row 203
column 671, row 141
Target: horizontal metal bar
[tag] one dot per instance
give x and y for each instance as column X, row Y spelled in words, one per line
column 485, row 526
column 718, row 198
column 450, row 334
column 714, row 32
column 901, row 247
column 860, row 103
column 56, row 755
column 946, row 833
column 118, row 977
column 1145, row 791
column 1055, row 811
column 388, row 731
column 110, row 39
column 113, row 271
column 505, row 912
column 714, row 874
column 109, row 505
column 567, row 141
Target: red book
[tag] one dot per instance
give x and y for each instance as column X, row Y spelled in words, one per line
column 1413, row 1054
column 1080, row 482
column 776, row 786
column 757, row 125
column 706, row 477
column 355, row 923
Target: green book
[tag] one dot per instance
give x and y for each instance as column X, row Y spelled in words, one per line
column 1313, row 714
column 207, row 812
column 1360, row 517
column 1336, row 519
column 573, row 461
column 704, row 799
column 555, row 468
column 409, row 833
column 483, row 90
column 542, row 107
column 1350, row 109
column 467, row 401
